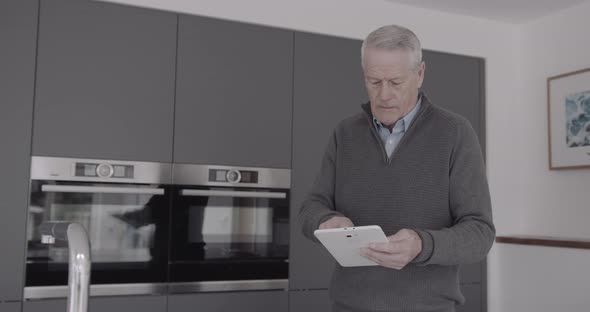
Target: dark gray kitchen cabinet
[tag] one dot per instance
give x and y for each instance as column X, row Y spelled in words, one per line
column 456, row 82
column 473, row 279
column 102, row 304
column 248, row 301
column 309, row 301
column 472, row 273
column 105, row 81
column 10, row 307
column 18, row 33
column 473, row 298
column 328, row 87
column 234, row 94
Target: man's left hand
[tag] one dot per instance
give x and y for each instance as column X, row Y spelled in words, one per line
column 401, row 249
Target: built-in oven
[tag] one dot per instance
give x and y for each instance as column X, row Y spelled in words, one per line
column 123, row 205
column 229, row 228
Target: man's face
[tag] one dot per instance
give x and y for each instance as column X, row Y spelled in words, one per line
column 392, row 83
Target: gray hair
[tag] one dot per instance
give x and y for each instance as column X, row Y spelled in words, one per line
column 394, row 37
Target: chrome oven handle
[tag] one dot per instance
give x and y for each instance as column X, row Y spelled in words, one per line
column 100, row 189
column 219, row 193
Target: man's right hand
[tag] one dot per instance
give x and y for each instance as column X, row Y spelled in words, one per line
column 336, row 222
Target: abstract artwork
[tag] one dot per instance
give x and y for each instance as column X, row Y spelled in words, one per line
column 568, row 98
column 577, row 115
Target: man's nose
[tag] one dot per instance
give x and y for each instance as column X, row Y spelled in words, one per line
column 385, row 92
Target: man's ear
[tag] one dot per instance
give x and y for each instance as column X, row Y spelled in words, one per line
column 421, row 70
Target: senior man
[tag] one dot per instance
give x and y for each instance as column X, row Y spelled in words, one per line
column 416, row 170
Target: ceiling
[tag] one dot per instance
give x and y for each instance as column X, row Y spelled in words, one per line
column 512, row 11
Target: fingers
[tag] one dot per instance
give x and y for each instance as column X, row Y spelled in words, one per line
column 371, row 255
column 344, row 222
column 401, row 249
column 336, row 222
column 384, row 259
column 402, row 235
column 384, row 247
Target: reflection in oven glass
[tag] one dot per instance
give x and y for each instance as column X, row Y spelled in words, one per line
column 236, row 228
column 113, row 236
column 236, row 231
column 121, row 227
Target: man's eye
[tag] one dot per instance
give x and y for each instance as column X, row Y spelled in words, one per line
column 376, row 82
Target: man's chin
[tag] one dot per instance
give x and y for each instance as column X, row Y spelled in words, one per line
column 389, row 121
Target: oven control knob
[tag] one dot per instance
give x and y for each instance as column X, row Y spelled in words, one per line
column 104, row 170
column 233, row 176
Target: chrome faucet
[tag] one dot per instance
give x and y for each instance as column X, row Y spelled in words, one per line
column 79, row 259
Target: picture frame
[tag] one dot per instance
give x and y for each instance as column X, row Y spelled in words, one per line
column 568, row 116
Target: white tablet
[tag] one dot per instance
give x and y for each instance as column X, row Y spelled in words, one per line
column 344, row 243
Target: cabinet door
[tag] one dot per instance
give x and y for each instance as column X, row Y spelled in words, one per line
column 102, row 304
column 328, row 87
column 473, row 298
column 309, row 301
column 10, row 307
column 248, row 301
column 456, row 82
column 18, row 33
column 472, row 273
column 463, row 94
column 234, row 94
column 105, row 81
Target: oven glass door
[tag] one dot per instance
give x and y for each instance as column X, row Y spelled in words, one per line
column 225, row 233
column 127, row 225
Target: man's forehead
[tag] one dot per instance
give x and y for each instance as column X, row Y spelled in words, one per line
column 381, row 71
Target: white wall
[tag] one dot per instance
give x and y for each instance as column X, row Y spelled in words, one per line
column 543, row 279
column 557, row 200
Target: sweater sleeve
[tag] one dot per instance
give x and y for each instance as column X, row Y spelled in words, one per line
column 472, row 234
column 319, row 204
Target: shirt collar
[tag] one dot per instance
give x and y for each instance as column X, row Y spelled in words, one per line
column 406, row 120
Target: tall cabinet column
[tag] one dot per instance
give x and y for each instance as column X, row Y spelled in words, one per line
column 18, row 34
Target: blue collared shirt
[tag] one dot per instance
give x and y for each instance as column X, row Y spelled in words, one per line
column 391, row 138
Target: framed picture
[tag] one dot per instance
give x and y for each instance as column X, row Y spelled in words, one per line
column 568, row 106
